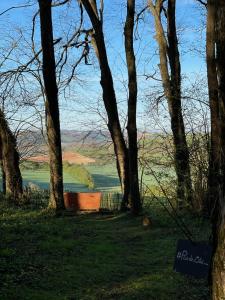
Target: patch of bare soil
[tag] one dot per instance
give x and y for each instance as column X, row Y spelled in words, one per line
column 70, row 157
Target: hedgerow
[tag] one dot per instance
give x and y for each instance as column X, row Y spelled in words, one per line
column 80, row 173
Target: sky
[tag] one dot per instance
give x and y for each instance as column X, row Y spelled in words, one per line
column 85, row 93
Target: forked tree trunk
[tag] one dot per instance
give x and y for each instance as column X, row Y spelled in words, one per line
column 132, row 108
column 10, row 162
column 109, row 99
column 218, row 272
column 51, row 107
column 171, row 77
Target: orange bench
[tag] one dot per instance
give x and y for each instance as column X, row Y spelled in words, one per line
column 82, row 201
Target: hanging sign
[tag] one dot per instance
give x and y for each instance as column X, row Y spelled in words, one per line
column 193, row 258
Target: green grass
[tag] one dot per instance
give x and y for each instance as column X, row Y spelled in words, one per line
column 93, row 257
column 41, row 178
column 105, row 178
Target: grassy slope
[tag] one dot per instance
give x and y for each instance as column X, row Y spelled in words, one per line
column 105, row 177
column 92, row 257
column 41, row 178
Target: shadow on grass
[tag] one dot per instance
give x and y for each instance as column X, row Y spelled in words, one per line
column 68, row 186
column 42, row 257
column 105, row 182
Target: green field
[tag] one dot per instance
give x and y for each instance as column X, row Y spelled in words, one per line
column 41, row 178
column 104, row 171
column 105, row 179
column 93, row 257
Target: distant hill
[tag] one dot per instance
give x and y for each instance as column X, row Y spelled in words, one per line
column 69, row 138
column 91, row 144
column 84, row 137
column 33, row 143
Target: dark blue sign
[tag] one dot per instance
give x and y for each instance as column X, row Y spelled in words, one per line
column 193, row 258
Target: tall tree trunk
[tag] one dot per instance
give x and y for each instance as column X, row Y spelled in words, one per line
column 132, row 108
column 218, row 272
column 215, row 145
column 171, row 78
column 177, row 123
column 51, row 107
column 10, row 161
column 109, row 99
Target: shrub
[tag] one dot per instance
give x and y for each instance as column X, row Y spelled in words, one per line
column 80, row 173
column 33, row 198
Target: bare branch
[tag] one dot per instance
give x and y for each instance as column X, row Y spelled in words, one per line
column 152, row 76
column 73, row 41
column 202, row 2
column 15, row 7
column 56, row 4
column 29, row 5
column 24, row 68
column 138, row 16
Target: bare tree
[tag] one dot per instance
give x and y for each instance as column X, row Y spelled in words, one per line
column 109, row 97
column 171, row 77
column 132, row 108
column 51, row 106
column 10, row 161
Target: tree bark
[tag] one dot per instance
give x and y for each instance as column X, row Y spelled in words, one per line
column 3, row 178
column 132, row 108
column 51, row 107
column 177, row 123
column 10, row 162
column 215, row 145
column 218, row 271
column 2, row 170
column 171, row 77
column 220, row 46
column 109, row 99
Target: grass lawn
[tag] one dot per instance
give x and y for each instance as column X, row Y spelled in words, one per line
column 93, row 257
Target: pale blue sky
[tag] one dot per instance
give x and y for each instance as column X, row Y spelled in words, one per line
column 191, row 36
